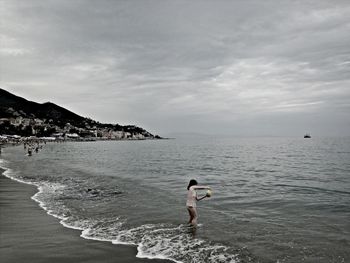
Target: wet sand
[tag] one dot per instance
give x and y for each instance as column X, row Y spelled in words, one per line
column 28, row 234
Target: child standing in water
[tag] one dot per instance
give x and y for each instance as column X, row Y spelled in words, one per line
column 192, row 200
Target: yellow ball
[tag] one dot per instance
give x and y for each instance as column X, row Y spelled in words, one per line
column 209, row 193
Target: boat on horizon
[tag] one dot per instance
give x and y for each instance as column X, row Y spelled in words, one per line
column 307, row 135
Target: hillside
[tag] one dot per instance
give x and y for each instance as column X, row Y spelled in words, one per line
column 22, row 117
column 15, row 106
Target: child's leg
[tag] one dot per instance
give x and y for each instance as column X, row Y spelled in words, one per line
column 191, row 214
column 194, row 220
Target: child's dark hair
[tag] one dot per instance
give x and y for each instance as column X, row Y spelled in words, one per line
column 192, row 182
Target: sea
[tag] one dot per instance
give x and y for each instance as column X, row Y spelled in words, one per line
column 275, row 199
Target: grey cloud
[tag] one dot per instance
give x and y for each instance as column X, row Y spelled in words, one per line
column 180, row 65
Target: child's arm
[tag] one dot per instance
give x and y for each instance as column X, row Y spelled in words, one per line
column 200, row 198
column 200, row 187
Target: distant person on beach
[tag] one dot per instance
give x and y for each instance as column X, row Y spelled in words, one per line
column 192, row 199
column 30, row 150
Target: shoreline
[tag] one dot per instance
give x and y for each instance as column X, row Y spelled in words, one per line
column 29, row 234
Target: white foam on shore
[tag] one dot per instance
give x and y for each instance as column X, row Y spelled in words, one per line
column 153, row 241
column 180, row 246
column 175, row 243
column 9, row 173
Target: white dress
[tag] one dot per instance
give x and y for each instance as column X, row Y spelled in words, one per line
column 191, row 197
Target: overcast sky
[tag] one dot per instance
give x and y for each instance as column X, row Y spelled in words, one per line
column 217, row 67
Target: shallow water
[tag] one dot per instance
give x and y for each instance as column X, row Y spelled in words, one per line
column 274, row 199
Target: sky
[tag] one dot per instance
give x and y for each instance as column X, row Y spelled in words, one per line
column 255, row 68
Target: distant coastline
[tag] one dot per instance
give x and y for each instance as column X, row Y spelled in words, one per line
column 20, row 118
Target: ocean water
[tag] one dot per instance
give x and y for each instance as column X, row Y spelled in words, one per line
column 274, row 199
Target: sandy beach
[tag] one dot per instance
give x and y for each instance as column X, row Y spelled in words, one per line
column 28, row 234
